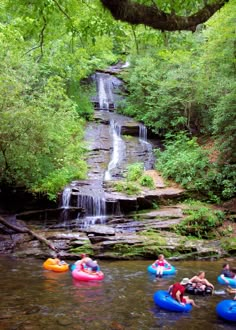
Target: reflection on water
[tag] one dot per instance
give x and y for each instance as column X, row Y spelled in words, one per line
column 33, row 298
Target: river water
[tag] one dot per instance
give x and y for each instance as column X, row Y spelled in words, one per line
column 33, row 298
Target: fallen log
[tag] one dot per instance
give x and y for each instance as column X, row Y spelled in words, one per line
column 28, row 231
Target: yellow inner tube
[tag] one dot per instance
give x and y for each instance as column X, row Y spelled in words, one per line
column 54, row 264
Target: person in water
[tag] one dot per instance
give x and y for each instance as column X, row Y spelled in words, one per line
column 227, row 272
column 177, row 290
column 87, row 263
column 200, row 282
column 160, row 264
column 59, row 262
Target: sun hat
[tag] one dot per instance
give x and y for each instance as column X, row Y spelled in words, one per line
column 184, row 281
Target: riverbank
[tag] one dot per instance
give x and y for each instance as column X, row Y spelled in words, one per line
column 141, row 235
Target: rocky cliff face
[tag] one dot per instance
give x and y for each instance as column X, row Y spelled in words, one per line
column 91, row 216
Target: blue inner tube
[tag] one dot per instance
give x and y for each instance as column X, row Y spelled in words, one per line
column 232, row 282
column 72, row 267
column 227, row 310
column 164, row 300
column 168, row 270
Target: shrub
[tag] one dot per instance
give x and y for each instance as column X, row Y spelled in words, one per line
column 184, row 161
column 200, row 222
column 147, row 181
column 127, row 187
column 134, row 171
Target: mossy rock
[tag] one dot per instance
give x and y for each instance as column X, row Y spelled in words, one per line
column 229, row 244
column 85, row 248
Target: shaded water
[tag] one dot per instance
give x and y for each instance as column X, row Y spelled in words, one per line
column 33, row 298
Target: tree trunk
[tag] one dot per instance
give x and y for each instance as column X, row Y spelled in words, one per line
column 28, row 231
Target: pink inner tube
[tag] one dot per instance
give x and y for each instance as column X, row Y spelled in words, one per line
column 81, row 275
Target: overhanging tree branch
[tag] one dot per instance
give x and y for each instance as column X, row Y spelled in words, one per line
column 135, row 13
column 41, row 40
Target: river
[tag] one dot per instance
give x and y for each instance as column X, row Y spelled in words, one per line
column 34, row 299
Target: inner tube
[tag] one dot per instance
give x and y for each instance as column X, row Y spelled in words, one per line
column 197, row 291
column 227, row 310
column 168, row 270
column 74, row 266
column 164, row 300
column 54, row 265
column 82, row 275
column 232, row 281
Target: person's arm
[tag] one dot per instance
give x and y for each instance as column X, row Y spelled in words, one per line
column 208, row 283
column 178, row 297
column 224, row 279
column 193, row 279
column 170, row 289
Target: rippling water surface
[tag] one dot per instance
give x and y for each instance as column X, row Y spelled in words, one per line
column 32, row 298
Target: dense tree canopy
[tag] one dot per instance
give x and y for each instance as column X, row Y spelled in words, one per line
column 177, row 81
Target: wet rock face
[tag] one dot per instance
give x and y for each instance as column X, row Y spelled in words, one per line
column 137, row 236
column 92, row 217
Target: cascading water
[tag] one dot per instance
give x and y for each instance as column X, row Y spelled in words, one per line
column 66, row 198
column 147, row 147
column 93, row 204
column 103, row 96
column 106, row 85
column 118, row 149
column 65, row 205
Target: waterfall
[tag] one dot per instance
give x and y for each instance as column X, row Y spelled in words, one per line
column 85, row 202
column 94, row 205
column 103, row 95
column 143, row 134
column 147, row 147
column 118, row 149
column 66, row 195
column 106, row 85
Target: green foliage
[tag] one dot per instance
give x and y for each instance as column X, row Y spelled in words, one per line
column 200, row 222
column 176, row 81
column 187, row 82
column 129, row 188
column 135, row 178
column 81, row 96
column 229, row 244
column 147, row 181
column 40, row 128
column 85, row 248
column 134, row 171
column 184, row 161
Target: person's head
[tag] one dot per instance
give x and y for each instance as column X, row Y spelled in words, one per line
column 201, row 274
column 161, row 257
column 184, row 281
column 225, row 266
